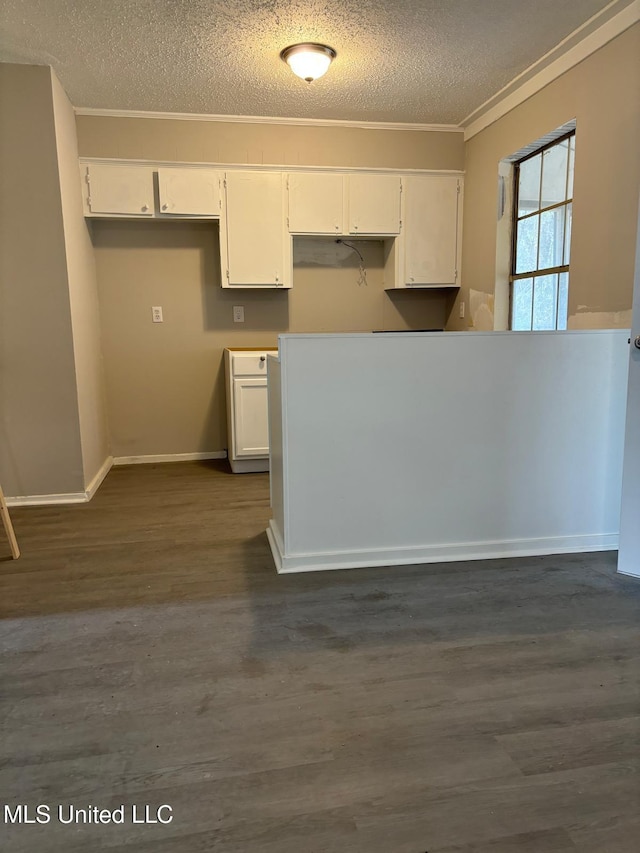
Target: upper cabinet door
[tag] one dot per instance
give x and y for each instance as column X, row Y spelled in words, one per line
column 316, row 203
column 189, row 192
column 255, row 246
column 374, row 204
column 431, row 230
column 124, row 190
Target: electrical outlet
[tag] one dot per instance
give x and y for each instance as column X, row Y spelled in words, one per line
column 156, row 314
column 461, row 311
column 238, row 313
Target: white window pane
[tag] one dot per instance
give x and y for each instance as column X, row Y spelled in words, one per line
column 527, row 244
column 572, row 157
column 521, row 304
column 551, row 238
column 563, row 300
column 567, row 233
column 529, row 185
column 545, row 291
column 554, row 173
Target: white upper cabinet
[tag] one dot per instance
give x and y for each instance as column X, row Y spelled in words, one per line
column 330, row 203
column 316, row 203
column 188, row 192
column 431, row 239
column 255, row 246
column 374, row 204
column 260, row 209
column 118, row 190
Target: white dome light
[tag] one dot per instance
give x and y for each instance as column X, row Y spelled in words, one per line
column 309, row 60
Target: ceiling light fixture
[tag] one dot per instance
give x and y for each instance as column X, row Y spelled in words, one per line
column 308, row 60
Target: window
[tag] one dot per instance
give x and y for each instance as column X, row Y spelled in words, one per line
column 543, row 196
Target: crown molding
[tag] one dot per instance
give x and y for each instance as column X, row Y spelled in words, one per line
column 295, row 122
column 568, row 53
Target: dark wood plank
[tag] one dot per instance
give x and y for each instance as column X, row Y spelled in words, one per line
column 546, row 841
column 581, row 745
column 152, row 655
column 483, row 813
column 617, row 834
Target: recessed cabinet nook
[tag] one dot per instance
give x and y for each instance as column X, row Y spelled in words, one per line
column 418, row 215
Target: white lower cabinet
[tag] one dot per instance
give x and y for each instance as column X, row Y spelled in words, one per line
column 250, row 414
column 247, row 412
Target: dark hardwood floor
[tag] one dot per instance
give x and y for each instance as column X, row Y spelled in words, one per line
column 151, row 655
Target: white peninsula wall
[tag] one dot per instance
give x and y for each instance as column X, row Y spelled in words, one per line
column 414, row 448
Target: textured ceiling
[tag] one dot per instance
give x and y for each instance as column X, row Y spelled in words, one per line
column 416, row 61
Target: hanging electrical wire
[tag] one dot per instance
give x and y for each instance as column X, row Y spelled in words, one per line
column 362, row 280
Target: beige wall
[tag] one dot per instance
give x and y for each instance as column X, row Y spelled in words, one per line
column 165, row 391
column 165, row 382
column 603, row 94
column 39, row 427
column 275, row 144
column 83, row 294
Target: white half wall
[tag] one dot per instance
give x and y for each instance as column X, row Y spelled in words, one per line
column 415, row 448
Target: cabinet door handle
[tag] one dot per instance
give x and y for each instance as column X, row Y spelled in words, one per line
column 263, row 358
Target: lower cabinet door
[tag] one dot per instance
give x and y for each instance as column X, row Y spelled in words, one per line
column 251, row 424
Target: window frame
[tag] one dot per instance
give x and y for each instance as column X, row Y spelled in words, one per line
column 516, row 219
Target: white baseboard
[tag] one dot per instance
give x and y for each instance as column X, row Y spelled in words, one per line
column 634, row 575
column 65, row 497
column 277, row 547
column 168, row 457
column 95, row 484
column 454, row 552
column 48, row 500
column 92, row 488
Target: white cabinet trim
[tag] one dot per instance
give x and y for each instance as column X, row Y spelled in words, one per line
column 271, row 167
